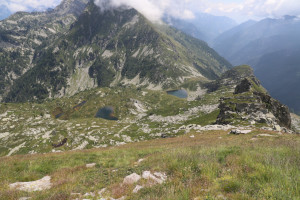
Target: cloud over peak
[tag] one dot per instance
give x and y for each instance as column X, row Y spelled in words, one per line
column 184, row 9
column 152, row 9
column 28, row 5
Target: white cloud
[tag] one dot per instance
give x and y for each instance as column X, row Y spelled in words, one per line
column 27, row 5
column 155, row 9
column 255, row 8
column 152, row 9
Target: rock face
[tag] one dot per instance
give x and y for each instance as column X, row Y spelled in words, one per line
column 261, row 108
column 244, row 86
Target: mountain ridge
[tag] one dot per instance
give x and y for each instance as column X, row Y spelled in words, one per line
column 203, row 26
column 116, row 47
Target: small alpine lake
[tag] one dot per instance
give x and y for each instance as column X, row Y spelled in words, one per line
column 178, row 93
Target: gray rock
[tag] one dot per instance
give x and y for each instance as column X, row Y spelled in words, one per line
column 265, row 110
column 39, row 185
column 238, row 131
column 131, row 179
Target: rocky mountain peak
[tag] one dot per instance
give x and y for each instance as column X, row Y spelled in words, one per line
column 110, row 48
column 74, row 7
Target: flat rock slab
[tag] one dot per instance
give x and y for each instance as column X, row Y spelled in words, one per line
column 39, row 185
column 265, row 135
column 91, row 165
column 238, row 131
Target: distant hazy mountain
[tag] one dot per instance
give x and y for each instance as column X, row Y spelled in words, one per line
column 271, row 46
column 204, row 26
column 4, row 12
column 247, row 42
column 279, row 72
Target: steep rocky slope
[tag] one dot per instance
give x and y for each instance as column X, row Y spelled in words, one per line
column 23, row 34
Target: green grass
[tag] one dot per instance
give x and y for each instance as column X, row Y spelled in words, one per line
column 211, row 165
column 204, row 119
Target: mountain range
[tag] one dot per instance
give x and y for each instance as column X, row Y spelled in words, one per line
column 105, row 104
column 203, row 26
column 271, row 47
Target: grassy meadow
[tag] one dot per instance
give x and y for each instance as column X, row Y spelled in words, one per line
column 210, row 165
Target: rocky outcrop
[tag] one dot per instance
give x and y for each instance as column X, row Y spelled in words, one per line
column 250, row 102
column 244, row 86
column 280, row 111
column 259, row 108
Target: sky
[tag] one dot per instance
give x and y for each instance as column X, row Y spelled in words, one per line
column 240, row 10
